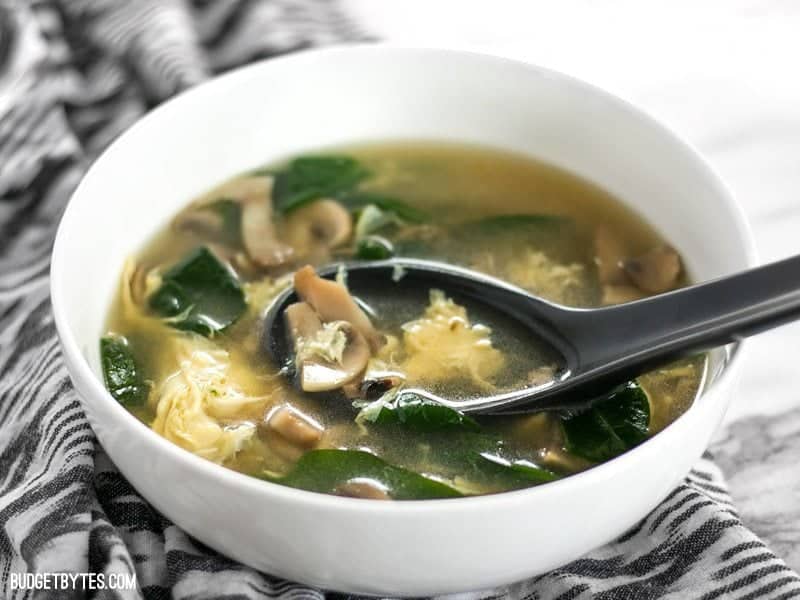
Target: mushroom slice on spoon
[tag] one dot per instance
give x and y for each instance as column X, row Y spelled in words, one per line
column 597, row 349
column 332, row 302
column 328, row 355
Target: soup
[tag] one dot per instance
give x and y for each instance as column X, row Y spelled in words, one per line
column 185, row 348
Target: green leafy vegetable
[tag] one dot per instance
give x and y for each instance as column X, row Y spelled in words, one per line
column 417, row 413
column 326, row 470
column 199, row 294
column 519, row 472
column 611, row 426
column 120, row 371
column 374, row 247
column 308, row 178
column 359, row 200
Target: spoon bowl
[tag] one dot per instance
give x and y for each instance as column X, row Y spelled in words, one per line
column 597, row 349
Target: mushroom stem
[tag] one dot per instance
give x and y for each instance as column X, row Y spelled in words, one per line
column 362, row 488
column 258, row 231
column 294, row 426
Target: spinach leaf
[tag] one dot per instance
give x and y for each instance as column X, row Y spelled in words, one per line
column 199, row 294
column 309, row 178
column 517, row 472
column 482, row 458
column 121, row 372
column 611, row 426
column 358, row 200
column 374, row 247
column 417, row 413
column 325, row 470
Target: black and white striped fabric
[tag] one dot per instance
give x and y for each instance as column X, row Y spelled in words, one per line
column 73, row 75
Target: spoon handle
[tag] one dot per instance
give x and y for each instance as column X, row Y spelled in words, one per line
column 631, row 337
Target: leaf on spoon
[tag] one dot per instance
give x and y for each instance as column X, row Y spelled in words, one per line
column 326, row 470
column 200, row 294
column 611, row 426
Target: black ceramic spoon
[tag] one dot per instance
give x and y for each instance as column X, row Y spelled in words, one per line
column 598, row 347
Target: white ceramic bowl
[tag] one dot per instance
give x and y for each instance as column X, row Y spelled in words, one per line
column 314, row 99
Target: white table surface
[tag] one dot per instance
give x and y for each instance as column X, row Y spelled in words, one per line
column 724, row 75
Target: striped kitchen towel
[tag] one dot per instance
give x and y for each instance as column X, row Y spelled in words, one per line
column 73, row 75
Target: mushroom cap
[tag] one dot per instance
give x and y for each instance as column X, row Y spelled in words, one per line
column 318, row 226
column 318, row 373
column 655, row 271
column 323, row 376
column 333, row 302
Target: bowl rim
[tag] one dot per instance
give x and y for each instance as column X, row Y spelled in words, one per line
column 226, row 476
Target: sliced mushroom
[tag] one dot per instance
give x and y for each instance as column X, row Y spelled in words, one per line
column 332, row 302
column 303, row 322
column 232, row 256
column 282, row 448
column 360, row 487
column 377, row 379
column 199, row 219
column 202, row 217
column 258, row 231
column 294, row 426
column 314, row 229
column 321, row 367
column 540, row 430
column 655, row 271
column 138, row 283
column 609, row 252
column 319, row 375
column 352, row 390
column 619, row 294
column 377, row 383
